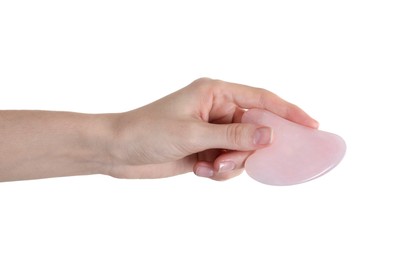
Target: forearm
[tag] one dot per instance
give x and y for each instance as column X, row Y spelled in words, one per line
column 42, row 144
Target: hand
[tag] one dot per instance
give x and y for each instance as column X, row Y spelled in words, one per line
column 197, row 128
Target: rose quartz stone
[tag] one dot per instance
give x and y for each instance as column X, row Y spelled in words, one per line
column 297, row 153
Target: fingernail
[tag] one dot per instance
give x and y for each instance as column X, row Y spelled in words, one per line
column 203, row 171
column 226, row 166
column 262, row 136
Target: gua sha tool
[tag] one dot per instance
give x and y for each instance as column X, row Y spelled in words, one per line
column 297, row 153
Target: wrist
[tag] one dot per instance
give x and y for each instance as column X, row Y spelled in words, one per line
column 98, row 139
column 114, row 144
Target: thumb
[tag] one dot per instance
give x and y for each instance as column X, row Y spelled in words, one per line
column 237, row 136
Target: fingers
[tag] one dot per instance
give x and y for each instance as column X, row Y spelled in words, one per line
column 225, row 166
column 249, row 97
column 230, row 164
column 237, row 136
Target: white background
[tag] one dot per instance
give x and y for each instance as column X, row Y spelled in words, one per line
column 344, row 62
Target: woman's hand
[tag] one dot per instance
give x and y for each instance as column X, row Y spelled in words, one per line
column 197, row 128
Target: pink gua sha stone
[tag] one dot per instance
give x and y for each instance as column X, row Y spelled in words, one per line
column 297, row 153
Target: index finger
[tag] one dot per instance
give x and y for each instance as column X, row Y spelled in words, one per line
column 250, row 97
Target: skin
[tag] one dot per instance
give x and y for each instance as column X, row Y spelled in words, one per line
column 196, row 129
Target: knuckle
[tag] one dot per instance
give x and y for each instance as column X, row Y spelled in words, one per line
column 203, row 82
column 235, row 134
column 202, row 85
